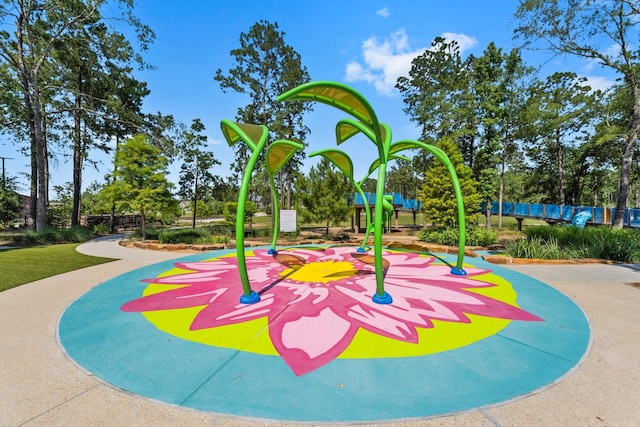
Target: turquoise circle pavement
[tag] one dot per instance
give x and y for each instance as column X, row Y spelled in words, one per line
column 125, row 350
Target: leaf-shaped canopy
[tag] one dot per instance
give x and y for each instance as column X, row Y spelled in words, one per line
column 346, row 128
column 279, row 153
column 338, row 158
column 337, row 95
column 396, row 147
column 252, row 135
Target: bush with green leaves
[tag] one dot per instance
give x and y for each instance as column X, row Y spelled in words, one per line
column 622, row 245
column 54, row 235
column 448, row 236
column 188, row 236
column 152, row 233
column 101, row 229
column 193, row 236
column 538, row 248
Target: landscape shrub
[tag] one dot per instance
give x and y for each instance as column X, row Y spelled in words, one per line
column 152, row 233
column 622, row 245
column 538, row 248
column 53, row 235
column 187, row 236
column 448, row 236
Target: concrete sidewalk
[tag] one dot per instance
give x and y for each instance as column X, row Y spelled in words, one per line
column 39, row 385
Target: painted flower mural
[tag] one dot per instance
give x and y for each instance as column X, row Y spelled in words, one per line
column 316, row 300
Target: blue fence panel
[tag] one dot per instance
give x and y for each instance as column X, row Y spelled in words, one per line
column 522, row 209
column 397, row 198
column 411, row 204
column 508, row 208
column 598, row 216
column 535, row 210
column 552, row 211
column 634, row 217
column 568, row 212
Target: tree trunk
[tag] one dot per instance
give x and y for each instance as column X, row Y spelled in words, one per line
column 195, row 197
column 560, row 157
column 627, row 159
column 500, row 191
column 143, row 225
column 41, row 158
column 77, row 156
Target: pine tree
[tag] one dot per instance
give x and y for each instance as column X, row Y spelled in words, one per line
column 324, row 195
column 437, row 194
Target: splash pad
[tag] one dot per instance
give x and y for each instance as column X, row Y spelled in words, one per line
column 316, row 348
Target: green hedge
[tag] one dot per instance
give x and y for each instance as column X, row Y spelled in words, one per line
column 475, row 236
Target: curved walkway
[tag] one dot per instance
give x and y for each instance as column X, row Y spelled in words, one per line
column 39, row 385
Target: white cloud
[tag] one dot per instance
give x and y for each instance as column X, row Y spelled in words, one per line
column 599, row 83
column 385, row 61
column 213, row 141
column 384, row 12
column 464, row 41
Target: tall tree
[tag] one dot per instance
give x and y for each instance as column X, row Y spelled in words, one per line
column 265, row 67
column 140, row 180
column 38, row 27
column 602, row 30
column 437, row 81
column 560, row 109
column 196, row 178
column 94, row 61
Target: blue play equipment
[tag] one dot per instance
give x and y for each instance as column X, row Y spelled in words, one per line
column 581, row 219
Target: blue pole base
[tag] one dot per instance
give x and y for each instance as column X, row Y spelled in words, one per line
column 382, row 299
column 252, row 298
column 458, row 272
column 272, row 251
column 361, row 250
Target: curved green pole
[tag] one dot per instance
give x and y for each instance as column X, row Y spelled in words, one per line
column 367, row 212
column 276, row 215
column 255, row 137
column 249, row 295
column 442, row 156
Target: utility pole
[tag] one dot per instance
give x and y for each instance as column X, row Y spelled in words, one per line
column 3, row 174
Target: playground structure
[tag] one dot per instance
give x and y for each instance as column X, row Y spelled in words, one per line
column 366, row 122
column 398, row 203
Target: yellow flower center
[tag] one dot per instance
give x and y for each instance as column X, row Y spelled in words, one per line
column 321, row 272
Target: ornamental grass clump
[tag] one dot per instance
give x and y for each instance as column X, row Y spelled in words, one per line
column 621, row 245
column 539, row 248
column 53, row 235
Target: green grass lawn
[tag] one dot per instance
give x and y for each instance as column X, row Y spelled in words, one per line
column 25, row 265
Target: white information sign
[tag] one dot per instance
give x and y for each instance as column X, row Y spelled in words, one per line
column 288, row 221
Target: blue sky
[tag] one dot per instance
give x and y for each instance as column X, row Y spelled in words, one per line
column 366, row 44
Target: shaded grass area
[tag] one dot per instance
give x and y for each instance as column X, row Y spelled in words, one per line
column 25, row 265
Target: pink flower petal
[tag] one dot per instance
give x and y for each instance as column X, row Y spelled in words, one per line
column 308, row 342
